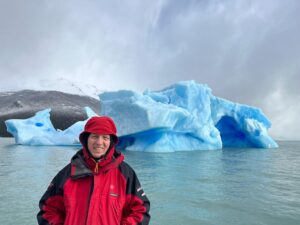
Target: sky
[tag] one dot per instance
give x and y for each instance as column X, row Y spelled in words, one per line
column 246, row 51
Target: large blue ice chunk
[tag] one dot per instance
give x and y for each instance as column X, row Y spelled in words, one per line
column 184, row 116
column 39, row 130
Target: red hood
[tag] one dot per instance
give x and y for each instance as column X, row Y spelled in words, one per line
column 99, row 125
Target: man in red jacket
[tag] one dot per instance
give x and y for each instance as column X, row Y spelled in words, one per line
column 97, row 187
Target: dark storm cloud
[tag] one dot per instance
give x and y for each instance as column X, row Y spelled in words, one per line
column 246, row 51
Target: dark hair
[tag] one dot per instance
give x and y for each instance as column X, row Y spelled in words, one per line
column 85, row 137
column 112, row 140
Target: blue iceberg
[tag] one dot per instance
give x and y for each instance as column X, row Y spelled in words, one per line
column 184, row 116
column 39, row 130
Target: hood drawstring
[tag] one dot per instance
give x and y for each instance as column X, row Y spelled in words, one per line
column 96, row 167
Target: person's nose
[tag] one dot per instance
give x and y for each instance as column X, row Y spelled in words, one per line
column 100, row 140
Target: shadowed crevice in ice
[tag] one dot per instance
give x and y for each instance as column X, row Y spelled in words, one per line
column 241, row 125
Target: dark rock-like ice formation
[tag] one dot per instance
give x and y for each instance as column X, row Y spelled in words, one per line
column 66, row 109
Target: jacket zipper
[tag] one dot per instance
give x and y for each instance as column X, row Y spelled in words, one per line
column 89, row 199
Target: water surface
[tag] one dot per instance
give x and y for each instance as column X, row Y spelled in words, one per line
column 229, row 186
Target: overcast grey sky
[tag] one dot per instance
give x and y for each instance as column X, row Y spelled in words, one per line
column 247, row 51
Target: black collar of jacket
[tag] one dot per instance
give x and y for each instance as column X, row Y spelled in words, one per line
column 79, row 168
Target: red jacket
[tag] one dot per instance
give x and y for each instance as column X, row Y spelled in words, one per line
column 87, row 192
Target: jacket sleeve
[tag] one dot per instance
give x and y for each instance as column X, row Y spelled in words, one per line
column 137, row 206
column 52, row 208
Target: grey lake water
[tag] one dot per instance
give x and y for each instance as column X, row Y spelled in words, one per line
column 229, row 186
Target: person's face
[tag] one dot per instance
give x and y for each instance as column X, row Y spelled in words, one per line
column 98, row 144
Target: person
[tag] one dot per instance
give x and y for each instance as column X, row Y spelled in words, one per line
column 97, row 187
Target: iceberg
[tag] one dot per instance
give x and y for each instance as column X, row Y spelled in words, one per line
column 184, row 116
column 39, row 130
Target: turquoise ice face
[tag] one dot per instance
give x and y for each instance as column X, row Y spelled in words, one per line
column 184, row 116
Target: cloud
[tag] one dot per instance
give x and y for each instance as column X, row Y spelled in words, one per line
column 246, row 51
